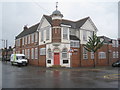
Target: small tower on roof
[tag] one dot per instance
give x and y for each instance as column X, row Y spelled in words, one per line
column 56, row 25
column 56, row 14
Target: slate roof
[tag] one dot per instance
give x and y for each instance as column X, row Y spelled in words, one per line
column 72, row 37
column 30, row 30
column 73, row 24
column 106, row 39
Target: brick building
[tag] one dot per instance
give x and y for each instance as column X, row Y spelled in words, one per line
column 57, row 41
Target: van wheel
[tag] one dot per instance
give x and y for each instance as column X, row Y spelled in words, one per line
column 19, row 65
column 12, row 63
column 26, row 64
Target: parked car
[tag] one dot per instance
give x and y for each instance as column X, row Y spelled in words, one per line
column 116, row 64
column 19, row 59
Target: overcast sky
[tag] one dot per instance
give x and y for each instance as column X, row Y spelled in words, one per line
column 14, row 15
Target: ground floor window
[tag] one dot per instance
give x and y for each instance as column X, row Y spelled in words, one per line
column 49, row 61
column 28, row 54
column 32, row 53
column 92, row 55
column 65, row 61
column 23, row 52
column 36, row 53
column 85, row 54
column 117, row 54
column 102, row 55
column 42, row 51
column 114, row 55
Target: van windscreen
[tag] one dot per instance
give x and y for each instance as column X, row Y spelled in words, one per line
column 20, row 57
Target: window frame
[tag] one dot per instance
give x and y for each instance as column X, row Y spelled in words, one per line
column 85, row 54
column 64, row 53
column 102, row 55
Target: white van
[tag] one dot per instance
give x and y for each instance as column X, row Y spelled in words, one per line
column 18, row 59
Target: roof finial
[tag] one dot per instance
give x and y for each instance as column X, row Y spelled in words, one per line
column 56, row 5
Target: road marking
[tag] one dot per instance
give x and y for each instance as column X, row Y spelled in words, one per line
column 112, row 76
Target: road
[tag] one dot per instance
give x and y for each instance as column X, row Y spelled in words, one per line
column 36, row 77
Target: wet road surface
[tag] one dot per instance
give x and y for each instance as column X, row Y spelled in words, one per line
column 36, row 77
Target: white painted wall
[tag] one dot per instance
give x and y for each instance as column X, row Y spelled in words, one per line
column 42, row 27
column 72, row 31
column 56, row 17
column 89, row 27
column 61, row 47
column 44, row 34
column 43, row 23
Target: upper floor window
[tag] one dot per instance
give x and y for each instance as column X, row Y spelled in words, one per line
column 17, row 42
column 113, row 43
column 65, row 33
column 74, row 44
column 47, row 34
column 102, row 55
column 91, row 33
column 85, row 35
column 23, row 41
column 64, row 53
column 32, row 37
column 117, row 43
column 28, row 39
column 85, row 53
column 42, row 36
column 36, row 37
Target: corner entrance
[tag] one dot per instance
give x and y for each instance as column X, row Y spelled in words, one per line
column 56, row 58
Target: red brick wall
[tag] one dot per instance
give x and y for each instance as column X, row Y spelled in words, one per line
column 56, row 35
column 56, row 30
column 108, row 49
column 42, row 58
column 86, row 62
column 75, row 57
column 56, row 22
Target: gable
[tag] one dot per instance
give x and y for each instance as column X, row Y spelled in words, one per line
column 89, row 25
column 44, row 23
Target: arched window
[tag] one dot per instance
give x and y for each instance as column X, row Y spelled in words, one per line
column 49, row 53
column 64, row 53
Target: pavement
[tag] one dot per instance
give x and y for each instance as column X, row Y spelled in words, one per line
column 37, row 77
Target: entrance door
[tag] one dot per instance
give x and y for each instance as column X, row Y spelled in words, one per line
column 56, row 59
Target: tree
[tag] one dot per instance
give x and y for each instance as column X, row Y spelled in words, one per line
column 94, row 43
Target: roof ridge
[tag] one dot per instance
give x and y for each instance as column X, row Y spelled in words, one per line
column 82, row 19
column 33, row 25
column 68, row 20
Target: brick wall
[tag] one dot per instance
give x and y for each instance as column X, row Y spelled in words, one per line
column 75, row 57
column 42, row 58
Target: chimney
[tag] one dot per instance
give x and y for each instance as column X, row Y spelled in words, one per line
column 25, row 27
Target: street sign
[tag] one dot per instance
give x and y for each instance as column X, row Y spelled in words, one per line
column 71, row 51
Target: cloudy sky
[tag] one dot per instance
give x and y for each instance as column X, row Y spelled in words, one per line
column 15, row 14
